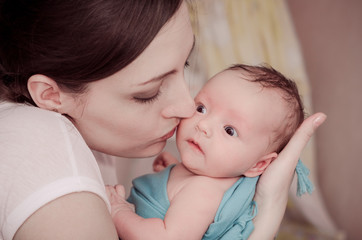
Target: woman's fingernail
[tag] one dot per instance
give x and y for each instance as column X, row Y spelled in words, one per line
column 319, row 120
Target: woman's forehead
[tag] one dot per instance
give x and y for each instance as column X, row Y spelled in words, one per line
column 167, row 53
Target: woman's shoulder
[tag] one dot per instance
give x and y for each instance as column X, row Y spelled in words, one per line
column 15, row 115
column 31, row 137
column 27, row 124
column 43, row 158
column 36, row 136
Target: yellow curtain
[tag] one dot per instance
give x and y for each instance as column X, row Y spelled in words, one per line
column 256, row 32
column 251, row 32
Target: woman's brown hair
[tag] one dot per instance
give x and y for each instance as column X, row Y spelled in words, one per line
column 74, row 42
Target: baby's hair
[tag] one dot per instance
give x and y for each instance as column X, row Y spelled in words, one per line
column 268, row 77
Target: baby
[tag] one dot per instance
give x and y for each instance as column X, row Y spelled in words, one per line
column 244, row 117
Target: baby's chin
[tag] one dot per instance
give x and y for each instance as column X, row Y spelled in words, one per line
column 200, row 172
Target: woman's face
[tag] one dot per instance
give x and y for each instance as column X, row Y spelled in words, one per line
column 133, row 112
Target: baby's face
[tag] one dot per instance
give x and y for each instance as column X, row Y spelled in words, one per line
column 232, row 127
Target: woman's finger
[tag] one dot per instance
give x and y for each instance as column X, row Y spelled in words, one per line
column 301, row 137
column 279, row 174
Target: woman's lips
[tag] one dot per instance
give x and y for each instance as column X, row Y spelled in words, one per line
column 195, row 145
column 168, row 135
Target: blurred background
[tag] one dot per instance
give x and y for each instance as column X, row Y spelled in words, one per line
column 318, row 43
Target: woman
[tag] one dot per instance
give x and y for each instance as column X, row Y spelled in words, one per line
column 105, row 75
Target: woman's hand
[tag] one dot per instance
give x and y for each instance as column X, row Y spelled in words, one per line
column 273, row 186
column 163, row 160
column 117, row 198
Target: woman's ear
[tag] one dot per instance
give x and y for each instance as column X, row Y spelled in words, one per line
column 45, row 92
column 261, row 165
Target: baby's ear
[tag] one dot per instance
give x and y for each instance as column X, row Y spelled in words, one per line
column 261, row 165
column 44, row 91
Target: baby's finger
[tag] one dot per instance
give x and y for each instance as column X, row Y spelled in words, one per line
column 158, row 168
column 111, row 193
column 158, row 163
column 121, row 191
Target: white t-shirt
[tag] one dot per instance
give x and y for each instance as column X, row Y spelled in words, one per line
column 42, row 157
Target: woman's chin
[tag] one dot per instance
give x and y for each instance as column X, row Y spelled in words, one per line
column 140, row 152
column 149, row 151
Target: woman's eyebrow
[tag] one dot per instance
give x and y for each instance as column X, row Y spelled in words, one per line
column 192, row 48
column 159, row 78
column 164, row 75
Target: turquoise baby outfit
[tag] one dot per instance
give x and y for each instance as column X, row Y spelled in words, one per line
column 233, row 219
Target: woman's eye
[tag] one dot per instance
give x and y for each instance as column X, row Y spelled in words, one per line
column 201, row 109
column 231, row 131
column 187, row 64
column 147, row 99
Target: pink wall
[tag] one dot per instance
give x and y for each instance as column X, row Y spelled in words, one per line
column 330, row 33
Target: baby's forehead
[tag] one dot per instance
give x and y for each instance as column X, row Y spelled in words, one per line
column 237, row 85
column 235, row 80
column 230, row 77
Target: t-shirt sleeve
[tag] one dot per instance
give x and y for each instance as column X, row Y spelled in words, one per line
column 43, row 157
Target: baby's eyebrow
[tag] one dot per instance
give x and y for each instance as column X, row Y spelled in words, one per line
column 199, row 99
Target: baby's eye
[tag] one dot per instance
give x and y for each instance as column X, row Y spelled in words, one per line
column 201, row 109
column 231, row 131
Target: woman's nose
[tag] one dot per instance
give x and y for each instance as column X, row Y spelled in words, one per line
column 181, row 104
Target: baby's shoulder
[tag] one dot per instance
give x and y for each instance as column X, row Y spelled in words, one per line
column 206, row 185
column 219, row 184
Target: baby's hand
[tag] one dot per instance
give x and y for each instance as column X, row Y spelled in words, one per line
column 163, row 160
column 117, row 197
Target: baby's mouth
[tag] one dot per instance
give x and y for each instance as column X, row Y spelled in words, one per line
column 195, row 145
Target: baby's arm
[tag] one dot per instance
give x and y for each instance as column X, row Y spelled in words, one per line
column 117, row 198
column 190, row 213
